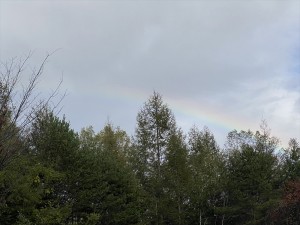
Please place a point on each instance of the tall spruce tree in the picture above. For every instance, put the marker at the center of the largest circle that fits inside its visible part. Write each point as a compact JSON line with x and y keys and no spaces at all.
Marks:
{"x":155,"y":125}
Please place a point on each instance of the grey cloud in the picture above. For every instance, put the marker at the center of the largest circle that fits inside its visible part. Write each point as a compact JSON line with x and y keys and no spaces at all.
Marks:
{"x":234,"y":54}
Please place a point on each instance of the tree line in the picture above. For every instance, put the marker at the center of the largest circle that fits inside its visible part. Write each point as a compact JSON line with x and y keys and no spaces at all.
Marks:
{"x":50,"y":174}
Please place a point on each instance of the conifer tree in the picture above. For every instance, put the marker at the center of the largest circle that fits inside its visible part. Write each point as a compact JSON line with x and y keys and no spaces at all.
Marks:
{"x":105,"y":186}
{"x":155,"y":125}
{"x":176,"y":174}
{"x":206,"y":169}
{"x":252,"y":176}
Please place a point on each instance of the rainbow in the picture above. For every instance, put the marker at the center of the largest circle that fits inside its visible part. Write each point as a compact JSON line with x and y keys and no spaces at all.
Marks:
{"x":187,"y":112}
{"x":203,"y":114}
{"x":207,"y":114}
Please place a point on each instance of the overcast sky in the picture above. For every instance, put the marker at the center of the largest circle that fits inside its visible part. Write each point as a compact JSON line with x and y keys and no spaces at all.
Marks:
{"x":223,"y":64}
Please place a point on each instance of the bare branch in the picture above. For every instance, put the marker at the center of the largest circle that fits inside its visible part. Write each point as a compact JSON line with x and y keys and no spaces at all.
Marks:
{"x":18,"y":109}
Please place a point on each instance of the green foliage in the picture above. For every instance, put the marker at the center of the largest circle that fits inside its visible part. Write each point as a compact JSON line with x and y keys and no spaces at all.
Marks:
{"x":155,"y":125}
{"x":251,"y":183}
{"x":59,"y":177}
{"x":10,"y":139}
{"x":52,"y":215}
{"x":287,"y":211}
{"x":92,"y":219}
{"x":292,"y":160}
{"x":53,"y":141}
{"x":206,"y":165}
{"x":176,"y":177}
{"x":27,"y":188}
{"x":252,"y":168}
{"x":104,"y":184}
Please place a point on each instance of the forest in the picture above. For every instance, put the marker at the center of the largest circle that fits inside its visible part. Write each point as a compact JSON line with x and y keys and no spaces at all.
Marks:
{"x":50,"y":174}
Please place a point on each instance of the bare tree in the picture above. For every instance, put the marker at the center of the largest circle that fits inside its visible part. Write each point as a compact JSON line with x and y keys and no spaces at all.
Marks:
{"x":19,"y":104}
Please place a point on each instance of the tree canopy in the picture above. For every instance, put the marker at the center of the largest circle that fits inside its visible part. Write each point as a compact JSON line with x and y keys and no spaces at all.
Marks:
{"x":51,"y":174}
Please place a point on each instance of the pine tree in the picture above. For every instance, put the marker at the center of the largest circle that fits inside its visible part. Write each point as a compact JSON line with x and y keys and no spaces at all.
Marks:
{"x":105,"y":187}
{"x":206,"y":167}
{"x":155,"y":125}
{"x":176,"y":175}
{"x":292,"y":160}
{"x":252,"y":169}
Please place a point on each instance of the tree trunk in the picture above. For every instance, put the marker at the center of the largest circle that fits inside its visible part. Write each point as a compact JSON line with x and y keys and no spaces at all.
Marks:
{"x":156,"y":212}
{"x":223,"y":218}
{"x":179,"y":211}
{"x":200,"y":217}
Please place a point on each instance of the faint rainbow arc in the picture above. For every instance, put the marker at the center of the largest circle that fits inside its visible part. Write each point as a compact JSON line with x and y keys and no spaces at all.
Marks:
{"x":196,"y":110}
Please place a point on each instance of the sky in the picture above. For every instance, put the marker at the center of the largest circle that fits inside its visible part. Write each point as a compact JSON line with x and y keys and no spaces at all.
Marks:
{"x":222,"y":64}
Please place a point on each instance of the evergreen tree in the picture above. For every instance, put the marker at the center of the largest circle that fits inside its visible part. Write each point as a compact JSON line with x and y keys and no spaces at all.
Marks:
{"x":206,"y":169}
{"x":292,"y":160}
{"x":56,"y":145}
{"x":155,"y":125}
{"x":288,"y":208}
{"x":252,"y":169}
{"x":53,"y":141}
{"x":176,"y":175}
{"x":29,"y":194}
{"x":105,"y":186}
